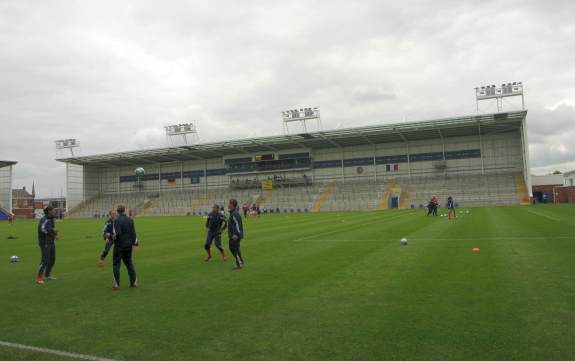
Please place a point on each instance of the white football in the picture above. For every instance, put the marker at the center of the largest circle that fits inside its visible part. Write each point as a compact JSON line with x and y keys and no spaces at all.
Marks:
{"x":404,"y":241}
{"x":14,"y":259}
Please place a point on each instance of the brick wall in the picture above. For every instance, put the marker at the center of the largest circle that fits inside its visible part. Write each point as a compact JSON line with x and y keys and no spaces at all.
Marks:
{"x":565,"y":194}
{"x":546,"y":189}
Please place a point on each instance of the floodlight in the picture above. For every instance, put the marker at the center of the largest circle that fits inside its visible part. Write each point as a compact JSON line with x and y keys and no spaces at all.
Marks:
{"x":181,"y":130}
{"x":301,"y":115}
{"x":498,"y":93}
{"x":70,"y":144}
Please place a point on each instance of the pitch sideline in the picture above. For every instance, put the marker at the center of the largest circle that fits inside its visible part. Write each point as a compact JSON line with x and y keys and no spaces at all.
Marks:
{"x":543,"y":215}
{"x":351,"y":224}
{"x":54,"y":352}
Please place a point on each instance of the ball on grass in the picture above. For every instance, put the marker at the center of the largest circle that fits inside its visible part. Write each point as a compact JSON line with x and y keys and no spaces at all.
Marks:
{"x":14,"y":259}
{"x":403,"y":241}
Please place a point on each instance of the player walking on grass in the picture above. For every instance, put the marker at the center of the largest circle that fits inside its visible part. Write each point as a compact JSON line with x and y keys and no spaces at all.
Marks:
{"x":235,"y":233}
{"x":125,"y":242}
{"x":109,"y":235}
{"x":451,"y":207}
{"x":47,"y":235}
{"x":215,"y":224}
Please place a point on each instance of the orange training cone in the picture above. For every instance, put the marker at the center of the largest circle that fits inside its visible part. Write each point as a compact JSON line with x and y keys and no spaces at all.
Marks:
{"x":475,"y":250}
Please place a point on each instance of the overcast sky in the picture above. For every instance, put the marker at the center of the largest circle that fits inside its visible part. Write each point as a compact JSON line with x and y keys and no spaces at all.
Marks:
{"x":113,"y":73}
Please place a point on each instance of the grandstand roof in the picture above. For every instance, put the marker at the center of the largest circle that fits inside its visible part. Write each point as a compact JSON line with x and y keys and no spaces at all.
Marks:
{"x":378,"y":134}
{"x":6,"y":163}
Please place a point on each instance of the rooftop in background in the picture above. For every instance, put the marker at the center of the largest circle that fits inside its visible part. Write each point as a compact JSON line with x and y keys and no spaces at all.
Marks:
{"x":21,"y":193}
{"x":378,"y":134}
{"x":547,"y":180}
{"x":6,"y":163}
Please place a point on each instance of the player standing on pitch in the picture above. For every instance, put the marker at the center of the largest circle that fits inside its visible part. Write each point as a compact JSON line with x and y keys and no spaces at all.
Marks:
{"x":215,"y":224}
{"x":125,"y":242}
{"x":109,"y":234}
{"x":47,"y":235}
{"x":451,"y":207}
{"x":235,"y":233}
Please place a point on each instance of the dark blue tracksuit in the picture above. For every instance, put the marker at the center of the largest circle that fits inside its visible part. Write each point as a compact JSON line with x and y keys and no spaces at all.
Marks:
{"x":215,"y":224}
{"x":46,"y":240}
{"x":236,"y":230}
{"x":109,"y":235}
{"x":451,"y":207}
{"x":125,"y":240}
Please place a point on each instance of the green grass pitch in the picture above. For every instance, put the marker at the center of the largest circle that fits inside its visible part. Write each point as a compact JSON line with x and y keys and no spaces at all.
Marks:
{"x":329,"y":286}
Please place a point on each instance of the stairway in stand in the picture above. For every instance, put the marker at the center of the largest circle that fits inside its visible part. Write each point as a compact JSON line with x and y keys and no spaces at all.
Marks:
{"x":324,"y":195}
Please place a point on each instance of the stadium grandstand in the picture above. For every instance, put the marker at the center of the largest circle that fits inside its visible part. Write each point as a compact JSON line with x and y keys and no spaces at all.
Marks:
{"x":5,"y":189}
{"x":480,"y":160}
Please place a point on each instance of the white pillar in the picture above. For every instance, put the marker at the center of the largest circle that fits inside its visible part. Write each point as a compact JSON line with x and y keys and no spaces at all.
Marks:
{"x":182,"y":175}
{"x":374,"y":163}
{"x":342,"y":167}
{"x":159,"y":178}
{"x":526,"y":163}
{"x":481,"y":149}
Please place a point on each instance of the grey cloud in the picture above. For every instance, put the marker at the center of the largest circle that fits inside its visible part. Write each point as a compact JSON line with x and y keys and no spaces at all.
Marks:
{"x":551,"y":134}
{"x":373,"y":95}
{"x":545,"y":123}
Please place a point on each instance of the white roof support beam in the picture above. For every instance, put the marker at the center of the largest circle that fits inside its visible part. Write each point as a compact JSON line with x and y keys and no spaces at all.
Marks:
{"x":239,"y":149}
{"x":297,"y":142}
{"x":407,"y":149}
{"x":364,"y":137}
{"x":266,"y":146}
{"x":330,"y":141}
{"x":442,"y":141}
{"x":481,"y":147}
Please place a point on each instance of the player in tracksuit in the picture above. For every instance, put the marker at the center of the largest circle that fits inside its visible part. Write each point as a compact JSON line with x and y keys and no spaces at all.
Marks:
{"x":235,"y":232}
{"x":451,"y":207}
{"x":126,"y":241}
{"x":109,"y":234}
{"x":432,"y":206}
{"x":47,"y":235}
{"x":215,"y":224}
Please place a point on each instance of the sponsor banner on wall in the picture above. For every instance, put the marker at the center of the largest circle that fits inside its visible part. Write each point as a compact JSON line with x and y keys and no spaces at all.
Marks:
{"x":267,"y":185}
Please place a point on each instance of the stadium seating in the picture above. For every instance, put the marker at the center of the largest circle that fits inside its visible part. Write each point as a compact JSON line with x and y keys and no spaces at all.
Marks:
{"x":100,"y":205}
{"x":411,"y":192}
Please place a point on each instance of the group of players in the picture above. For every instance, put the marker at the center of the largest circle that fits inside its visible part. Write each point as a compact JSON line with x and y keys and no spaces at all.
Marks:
{"x":119,"y":232}
{"x":434,"y":204}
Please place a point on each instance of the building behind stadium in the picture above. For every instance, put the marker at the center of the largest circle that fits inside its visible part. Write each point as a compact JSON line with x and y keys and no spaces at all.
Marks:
{"x":554,"y":188}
